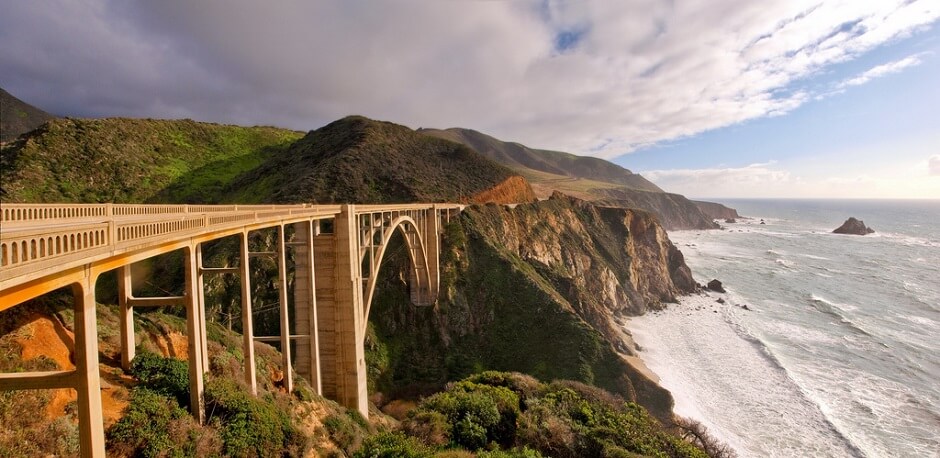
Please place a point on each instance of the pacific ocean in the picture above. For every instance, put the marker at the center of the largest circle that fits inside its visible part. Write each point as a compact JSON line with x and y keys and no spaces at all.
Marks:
{"x":836,"y":352}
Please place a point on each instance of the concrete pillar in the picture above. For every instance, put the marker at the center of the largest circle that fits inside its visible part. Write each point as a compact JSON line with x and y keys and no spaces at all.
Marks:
{"x":285,"y":318}
{"x":88,"y":385}
{"x":305,"y":304}
{"x":324,"y":247}
{"x":432,"y":249}
{"x":125,"y":292}
{"x":248,"y":331}
{"x":350,"y":363}
{"x":201,"y":308}
{"x":195,"y":329}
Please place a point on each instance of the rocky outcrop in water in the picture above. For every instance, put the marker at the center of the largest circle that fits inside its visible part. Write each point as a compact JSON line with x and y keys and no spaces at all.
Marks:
{"x":853,"y":226}
{"x":716,"y":286}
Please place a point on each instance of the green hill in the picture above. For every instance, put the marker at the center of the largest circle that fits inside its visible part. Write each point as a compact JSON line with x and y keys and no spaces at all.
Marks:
{"x":18,"y":117}
{"x":522,"y":159}
{"x":134,"y":160}
{"x":588,"y":178}
{"x":356,"y":159}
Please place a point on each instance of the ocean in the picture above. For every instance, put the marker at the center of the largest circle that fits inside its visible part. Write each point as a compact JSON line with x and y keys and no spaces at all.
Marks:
{"x":838,"y":351}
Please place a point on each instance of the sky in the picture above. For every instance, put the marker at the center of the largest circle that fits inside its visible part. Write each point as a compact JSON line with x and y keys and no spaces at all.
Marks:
{"x":709,"y":98}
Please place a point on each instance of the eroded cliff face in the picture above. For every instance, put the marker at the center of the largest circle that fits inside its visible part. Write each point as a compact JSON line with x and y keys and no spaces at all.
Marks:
{"x":674,"y":211}
{"x":538,"y":288}
{"x":604,"y":261}
{"x":715,"y":210}
{"x":512,"y":190}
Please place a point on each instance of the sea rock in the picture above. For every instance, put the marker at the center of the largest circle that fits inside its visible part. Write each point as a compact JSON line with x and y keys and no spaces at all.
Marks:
{"x":720,"y":301}
{"x":854,"y":227}
{"x":730,"y":220}
{"x":715,"y":285}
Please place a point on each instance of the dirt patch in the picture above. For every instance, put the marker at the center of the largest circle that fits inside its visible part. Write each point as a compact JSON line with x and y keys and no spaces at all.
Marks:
{"x":45,"y":336}
{"x":172,"y":344}
{"x":399,"y":408}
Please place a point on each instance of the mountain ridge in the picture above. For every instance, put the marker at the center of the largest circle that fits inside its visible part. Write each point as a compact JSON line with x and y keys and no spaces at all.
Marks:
{"x":18,"y":117}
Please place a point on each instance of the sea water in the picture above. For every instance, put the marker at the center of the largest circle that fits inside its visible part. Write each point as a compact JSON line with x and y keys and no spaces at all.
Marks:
{"x":838,"y":351}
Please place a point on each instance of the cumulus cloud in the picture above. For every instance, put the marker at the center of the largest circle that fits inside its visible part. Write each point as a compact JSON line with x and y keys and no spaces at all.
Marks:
{"x":933,"y":165}
{"x":594,"y":77}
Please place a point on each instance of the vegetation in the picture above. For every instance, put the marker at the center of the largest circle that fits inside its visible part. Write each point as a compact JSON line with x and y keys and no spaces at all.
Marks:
{"x":498,"y":311}
{"x":356,"y":159}
{"x":133,"y":160}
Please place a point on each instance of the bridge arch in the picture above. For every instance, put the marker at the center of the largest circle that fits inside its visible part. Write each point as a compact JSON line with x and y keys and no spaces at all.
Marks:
{"x":372,"y":257}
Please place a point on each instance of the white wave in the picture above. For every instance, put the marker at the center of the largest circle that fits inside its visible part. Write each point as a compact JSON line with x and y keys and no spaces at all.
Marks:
{"x":733,"y":385}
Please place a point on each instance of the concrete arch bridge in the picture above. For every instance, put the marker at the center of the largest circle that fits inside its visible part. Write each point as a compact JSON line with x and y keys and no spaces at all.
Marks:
{"x":337,"y":251}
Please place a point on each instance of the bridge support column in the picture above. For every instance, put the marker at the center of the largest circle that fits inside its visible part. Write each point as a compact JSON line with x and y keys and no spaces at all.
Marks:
{"x":285,"y":317}
{"x":432,"y":249}
{"x":195,"y":330}
{"x":248,"y":330}
{"x":125,"y":292}
{"x":305,"y":304}
{"x":88,"y":385}
{"x":349,"y":362}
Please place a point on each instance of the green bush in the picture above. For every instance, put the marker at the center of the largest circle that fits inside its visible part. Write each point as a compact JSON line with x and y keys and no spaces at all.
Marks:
{"x":154,"y":425}
{"x":345,"y":431}
{"x":248,"y":425}
{"x":393,"y":445}
{"x":167,"y":376}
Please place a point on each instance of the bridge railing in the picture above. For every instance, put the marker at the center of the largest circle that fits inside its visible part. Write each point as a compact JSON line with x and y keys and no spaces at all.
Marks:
{"x":34,"y":238}
{"x":24,"y":213}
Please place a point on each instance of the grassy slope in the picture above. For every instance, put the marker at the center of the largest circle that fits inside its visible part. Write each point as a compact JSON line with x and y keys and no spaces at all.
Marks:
{"x":134,"y":160}
{"x":553,"y":163}
{"x":356,"y":159}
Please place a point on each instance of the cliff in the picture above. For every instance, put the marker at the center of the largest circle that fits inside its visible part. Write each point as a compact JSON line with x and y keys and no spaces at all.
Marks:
{"x":542,"y":289}
{"x":674,"y":211}
{"x":588,"y":178}
{"x":714,"y":210}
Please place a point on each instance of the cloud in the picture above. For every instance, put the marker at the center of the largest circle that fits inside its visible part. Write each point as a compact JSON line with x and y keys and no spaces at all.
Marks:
{"x":753,"y":173}
{"x":594,"y":77}
{"x":881,"y":70}
{"x":933,"y":165}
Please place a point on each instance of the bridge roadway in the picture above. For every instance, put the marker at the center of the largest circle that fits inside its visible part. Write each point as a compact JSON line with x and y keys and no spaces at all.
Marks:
{"x":337,"y":249}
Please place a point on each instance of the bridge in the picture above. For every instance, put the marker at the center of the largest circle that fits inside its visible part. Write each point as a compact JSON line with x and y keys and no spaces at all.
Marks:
{"x":337,"y":251}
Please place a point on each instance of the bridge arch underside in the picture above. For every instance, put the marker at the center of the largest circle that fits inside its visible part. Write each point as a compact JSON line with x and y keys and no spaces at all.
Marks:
{"x":372,"y":257}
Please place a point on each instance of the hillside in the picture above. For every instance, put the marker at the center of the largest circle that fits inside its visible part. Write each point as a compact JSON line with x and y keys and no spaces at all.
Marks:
{"x":141,"y":160}
{"x":18,"y":117}
{"x":540,"y":288}
{"x":357,"y":159}
{"x":133,"y":160}
{"x":584,"y":177}
{"x":522,"y":158}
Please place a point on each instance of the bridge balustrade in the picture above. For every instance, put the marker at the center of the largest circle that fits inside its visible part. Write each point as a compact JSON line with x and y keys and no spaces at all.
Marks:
{"x":44,"y":247}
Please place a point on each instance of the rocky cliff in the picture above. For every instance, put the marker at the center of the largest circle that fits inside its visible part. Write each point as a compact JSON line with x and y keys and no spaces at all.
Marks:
{"x":540,"y":288}
{"x":715,"y":210}
{"x":674,"y":211}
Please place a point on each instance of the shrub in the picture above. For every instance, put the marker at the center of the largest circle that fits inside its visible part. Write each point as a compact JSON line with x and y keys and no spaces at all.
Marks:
{"x":155,"y":425}
{"x":345,"y":431}
{"x":167,"y":376}
{"x":248,"y":425}
{"x":393,"y":445}
{"x":430,"y":427}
